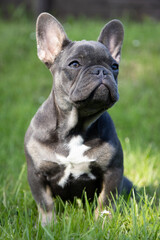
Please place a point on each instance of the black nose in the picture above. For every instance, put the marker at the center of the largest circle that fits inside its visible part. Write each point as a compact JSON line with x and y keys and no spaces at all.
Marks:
{"x":99,"y":71}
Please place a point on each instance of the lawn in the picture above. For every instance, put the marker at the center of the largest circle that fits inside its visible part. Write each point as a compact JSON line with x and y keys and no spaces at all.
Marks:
{"x":24,"y":84}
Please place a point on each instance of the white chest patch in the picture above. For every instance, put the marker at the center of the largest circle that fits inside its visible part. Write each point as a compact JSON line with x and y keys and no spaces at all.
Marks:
{"x":76,"y":163}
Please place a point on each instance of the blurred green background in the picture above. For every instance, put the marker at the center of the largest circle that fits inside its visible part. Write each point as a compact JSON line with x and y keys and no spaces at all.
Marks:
{"x":25,"y":83}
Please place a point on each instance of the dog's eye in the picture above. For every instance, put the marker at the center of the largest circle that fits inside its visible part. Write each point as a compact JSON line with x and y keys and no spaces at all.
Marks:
{"x":115,"y":66}
{"x":74,"y":64}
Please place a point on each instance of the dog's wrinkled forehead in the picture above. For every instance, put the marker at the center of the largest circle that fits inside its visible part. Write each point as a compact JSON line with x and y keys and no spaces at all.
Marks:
{"x":87,"y":50}
{"x":89,"y":47}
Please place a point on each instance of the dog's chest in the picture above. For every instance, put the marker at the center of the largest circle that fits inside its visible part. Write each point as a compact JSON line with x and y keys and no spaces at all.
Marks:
{"x":77,"y":162}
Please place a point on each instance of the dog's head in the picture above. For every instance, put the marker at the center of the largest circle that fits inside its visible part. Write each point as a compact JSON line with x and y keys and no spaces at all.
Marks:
{"x":85,"y":72}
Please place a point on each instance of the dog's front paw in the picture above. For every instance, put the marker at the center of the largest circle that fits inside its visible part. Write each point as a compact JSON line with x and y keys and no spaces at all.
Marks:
{"x":46,"y":217}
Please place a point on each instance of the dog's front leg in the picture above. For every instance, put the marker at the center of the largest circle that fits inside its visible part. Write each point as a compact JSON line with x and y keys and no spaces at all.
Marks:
{"x":42,"y":195}
{"x":112,"y":182}
{"x":45,"y":208}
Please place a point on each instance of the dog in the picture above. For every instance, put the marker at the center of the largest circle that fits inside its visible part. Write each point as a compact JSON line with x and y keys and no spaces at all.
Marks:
{"x":71,"y":144}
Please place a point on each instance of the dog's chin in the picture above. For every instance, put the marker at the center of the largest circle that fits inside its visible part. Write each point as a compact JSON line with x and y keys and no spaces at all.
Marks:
{"x":98,"y":101}
{"x":101,"y":95}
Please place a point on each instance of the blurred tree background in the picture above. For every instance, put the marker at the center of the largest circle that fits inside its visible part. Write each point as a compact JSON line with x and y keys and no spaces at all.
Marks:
{"x":136,"y":9}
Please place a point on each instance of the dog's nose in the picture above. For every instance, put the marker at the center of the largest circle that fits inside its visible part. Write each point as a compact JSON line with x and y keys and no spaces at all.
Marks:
{"x":99,"y":71}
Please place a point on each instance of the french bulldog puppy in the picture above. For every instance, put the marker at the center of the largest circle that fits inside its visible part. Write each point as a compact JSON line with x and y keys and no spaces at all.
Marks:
{"x":71,"y":144}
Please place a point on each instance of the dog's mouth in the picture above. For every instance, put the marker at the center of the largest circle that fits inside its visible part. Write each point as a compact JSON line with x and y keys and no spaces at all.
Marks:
{"x":112,"y":91}
{"x":101,"y":93}
{"x":99,"y":100}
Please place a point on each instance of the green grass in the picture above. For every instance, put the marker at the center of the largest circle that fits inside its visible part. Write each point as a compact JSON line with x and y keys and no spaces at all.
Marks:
{"x":25,"y":82}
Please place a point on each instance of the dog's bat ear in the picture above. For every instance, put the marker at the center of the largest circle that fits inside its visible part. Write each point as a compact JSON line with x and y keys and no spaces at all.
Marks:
{"x":112,"y":37}
{"x":51,"y":38}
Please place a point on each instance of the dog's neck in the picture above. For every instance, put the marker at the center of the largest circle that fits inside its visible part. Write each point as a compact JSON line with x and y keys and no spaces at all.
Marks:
{"x":70,"y":122}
